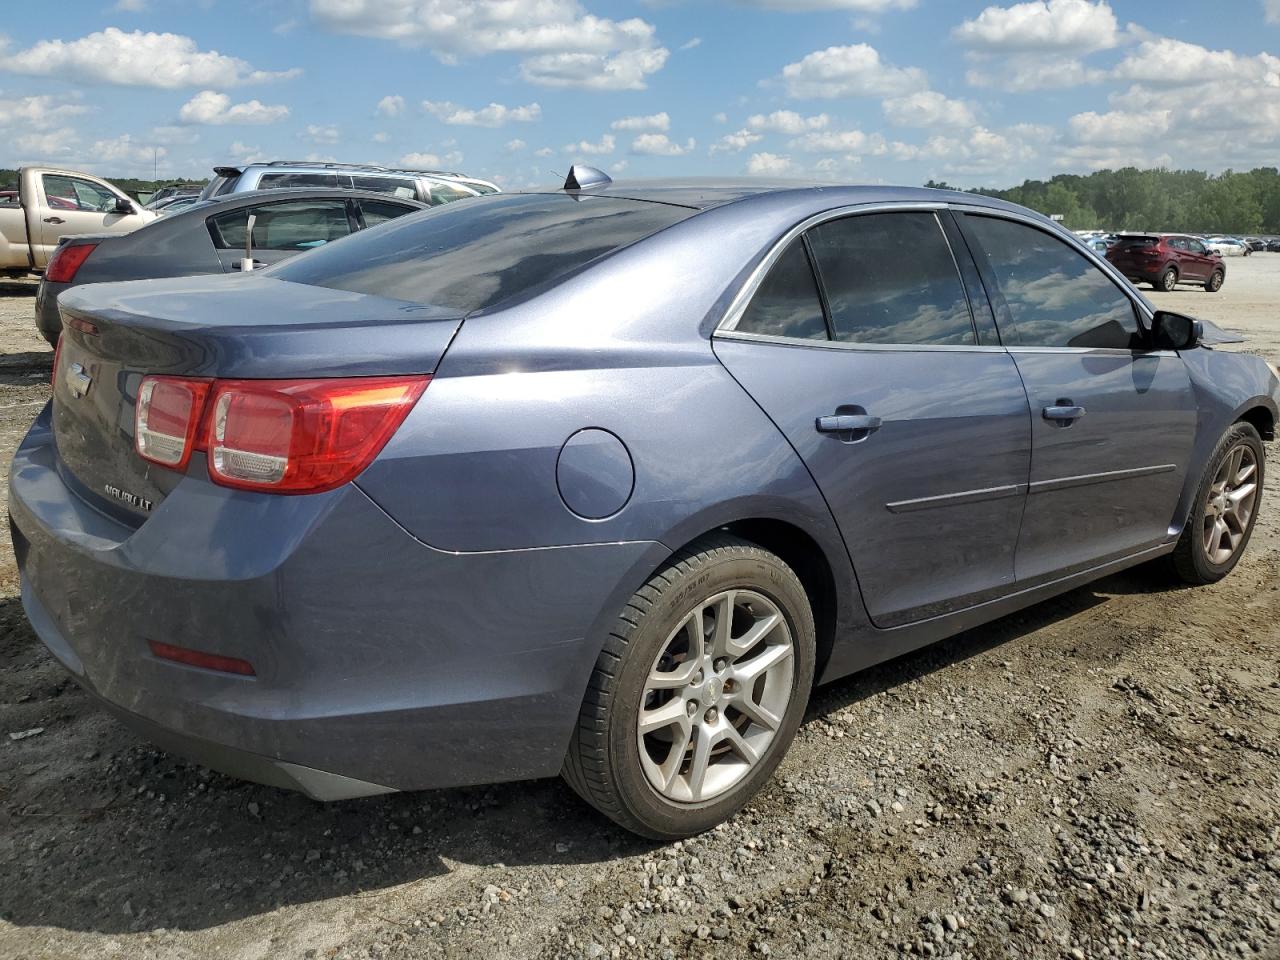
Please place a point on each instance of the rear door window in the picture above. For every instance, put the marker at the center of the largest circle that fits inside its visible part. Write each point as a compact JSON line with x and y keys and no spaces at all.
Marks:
{"x":787,"y":303}
{"x":469,"y":256}
{"x":276,"y":181}
{"x":1056,"y":297}
{"x":890,"y":278}
{"x":380,"y":211}
{"x":396,"y":186}
{"x":292,"y":225}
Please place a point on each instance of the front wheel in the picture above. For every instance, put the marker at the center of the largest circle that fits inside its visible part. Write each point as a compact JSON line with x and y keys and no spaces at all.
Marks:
{"x":697,"y":693}
{"x":1225,"y":509}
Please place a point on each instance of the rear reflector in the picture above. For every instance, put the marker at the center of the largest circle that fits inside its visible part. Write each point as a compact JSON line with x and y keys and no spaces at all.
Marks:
{"x":288,"y":436}
{"x":197,"y":658}
{"x":67,"y":260}
{"x":166,"y":418}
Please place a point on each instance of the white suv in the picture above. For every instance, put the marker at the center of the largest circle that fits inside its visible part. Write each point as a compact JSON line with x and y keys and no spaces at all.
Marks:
{"x":427,"y":186}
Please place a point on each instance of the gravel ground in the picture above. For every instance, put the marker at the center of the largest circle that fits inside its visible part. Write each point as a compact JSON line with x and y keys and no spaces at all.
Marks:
{"x":1095,"y":777}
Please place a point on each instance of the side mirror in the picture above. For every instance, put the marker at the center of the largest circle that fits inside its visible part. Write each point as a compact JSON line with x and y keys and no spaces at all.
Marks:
{"x":1173,"y":331}
{"x":123,"y":206}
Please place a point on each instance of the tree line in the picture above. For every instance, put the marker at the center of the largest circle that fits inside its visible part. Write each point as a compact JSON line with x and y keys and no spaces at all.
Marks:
{"x":1184,"y":201}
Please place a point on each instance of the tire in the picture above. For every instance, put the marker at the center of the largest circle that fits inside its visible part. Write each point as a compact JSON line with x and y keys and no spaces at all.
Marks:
{"x":1215,"y":281}
{"x":639,"y":780}
{"x":1168,"y":280}
{"x":1191,"y":559}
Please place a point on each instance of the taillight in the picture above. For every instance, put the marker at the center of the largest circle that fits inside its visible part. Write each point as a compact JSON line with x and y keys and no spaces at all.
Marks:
{"x":67,"y":260}
{"x":288,"y":436}
{"x":166,"y":418}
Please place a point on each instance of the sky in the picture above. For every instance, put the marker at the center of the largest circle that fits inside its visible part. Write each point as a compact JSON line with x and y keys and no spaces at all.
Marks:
{"x":897,"y":91}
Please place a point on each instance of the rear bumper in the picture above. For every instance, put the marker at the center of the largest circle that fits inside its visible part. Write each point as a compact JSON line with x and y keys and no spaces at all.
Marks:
{"x":48,"y":320}
{"x":381,"y":663}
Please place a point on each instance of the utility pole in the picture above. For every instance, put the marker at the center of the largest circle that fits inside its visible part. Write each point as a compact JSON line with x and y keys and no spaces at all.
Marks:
{"x":155,"y":163}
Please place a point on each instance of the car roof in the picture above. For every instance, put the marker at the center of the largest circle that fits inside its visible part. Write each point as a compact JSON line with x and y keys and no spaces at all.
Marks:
{"x":311,"y":166}
{"x":304,"y":193}
{"x":704,"y":193}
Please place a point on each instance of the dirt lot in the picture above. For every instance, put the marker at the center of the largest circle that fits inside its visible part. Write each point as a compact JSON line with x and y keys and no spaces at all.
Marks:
{"x":1098,"y":776}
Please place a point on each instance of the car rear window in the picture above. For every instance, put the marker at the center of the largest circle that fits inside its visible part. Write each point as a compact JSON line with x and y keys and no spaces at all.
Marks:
{"x":470,"y":256}
{"x":1131,"y":242}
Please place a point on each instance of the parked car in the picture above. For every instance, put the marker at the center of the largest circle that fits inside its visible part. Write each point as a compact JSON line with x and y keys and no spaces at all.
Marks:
{"x":210,"y":238}
{"x":432,"y":187}
{"x":173,"y":190}
{"x":1227,"y":246}
{"x":1273,"y":246}
{"x":177,"y":204}
{"x":1166,"y":260}
{"x":53,"y":204}
{"x":442,"y":504}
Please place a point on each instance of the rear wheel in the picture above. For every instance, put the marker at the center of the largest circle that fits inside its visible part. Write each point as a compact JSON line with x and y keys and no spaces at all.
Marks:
{"x":1214,"y":283}
{"x":1168,"y":280}
{"x":697,"y":693}
{"x":1225,"y":510}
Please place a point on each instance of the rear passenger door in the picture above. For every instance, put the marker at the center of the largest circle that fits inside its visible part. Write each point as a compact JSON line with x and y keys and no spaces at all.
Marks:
{"x":281,"y":229}
{"x":861,"y":345}
{"x":1113,"y":420}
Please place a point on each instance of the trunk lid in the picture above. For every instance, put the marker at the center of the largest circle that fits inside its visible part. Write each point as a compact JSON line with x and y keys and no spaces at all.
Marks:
{"x":250,"y":327}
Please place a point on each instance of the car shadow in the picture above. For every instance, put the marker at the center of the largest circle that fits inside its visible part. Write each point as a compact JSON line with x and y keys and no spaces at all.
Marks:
{"x":18,"y":288}
{"x":99,"y":832}
{"x":24,"y":369}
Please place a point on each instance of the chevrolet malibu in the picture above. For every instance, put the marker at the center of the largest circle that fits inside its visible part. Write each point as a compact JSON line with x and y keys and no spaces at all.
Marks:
{"x":601,"y":481}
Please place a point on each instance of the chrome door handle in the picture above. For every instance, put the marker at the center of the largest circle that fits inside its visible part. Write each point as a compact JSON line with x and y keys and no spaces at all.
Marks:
{"x":1065,"y":412}
{"x":54,"y":220}
{"x":847,"y":423}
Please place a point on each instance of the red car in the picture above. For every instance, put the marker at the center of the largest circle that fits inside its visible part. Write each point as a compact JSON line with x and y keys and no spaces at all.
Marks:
{"x":1166,"y":260}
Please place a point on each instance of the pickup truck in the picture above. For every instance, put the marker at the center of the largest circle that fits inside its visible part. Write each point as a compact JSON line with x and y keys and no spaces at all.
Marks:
{"x":50,"y":204}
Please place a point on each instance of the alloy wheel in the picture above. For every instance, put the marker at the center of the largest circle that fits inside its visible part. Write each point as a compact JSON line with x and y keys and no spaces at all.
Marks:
{"x":716,"y":696}
{"x":1230,"y":504}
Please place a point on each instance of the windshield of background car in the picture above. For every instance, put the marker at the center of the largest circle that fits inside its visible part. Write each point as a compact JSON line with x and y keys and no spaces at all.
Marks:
{"x":470,"y":256}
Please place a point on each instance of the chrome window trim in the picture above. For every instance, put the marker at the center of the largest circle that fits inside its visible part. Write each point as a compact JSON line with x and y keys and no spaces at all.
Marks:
{"x":748,"y":337}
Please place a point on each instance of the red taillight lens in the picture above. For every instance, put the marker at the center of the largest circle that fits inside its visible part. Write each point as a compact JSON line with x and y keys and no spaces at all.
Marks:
{"x":166,"y":417}
{"x":303,"y":436}
{"x":198,"y":658}
{"x":290,"y":436}
{"x":66,"y":261}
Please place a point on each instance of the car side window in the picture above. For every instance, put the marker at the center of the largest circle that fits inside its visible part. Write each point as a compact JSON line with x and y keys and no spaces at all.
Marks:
{"x":284,"y":225}
{"x":1178,"y":243}
{"x":396,"y":186}
{"x":787,"y":303}
{"x":275,"y":181}
{"x":890,"y":278}
{"x":380,"y":211}
{"x":1195,"y":246}
{"x":440,"y":192}
{"x":71,"y":193}
{"x":1056,"y":297}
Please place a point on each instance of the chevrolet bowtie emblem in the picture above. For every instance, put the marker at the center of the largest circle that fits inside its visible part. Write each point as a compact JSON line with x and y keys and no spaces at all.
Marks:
{"x":77,"y":380}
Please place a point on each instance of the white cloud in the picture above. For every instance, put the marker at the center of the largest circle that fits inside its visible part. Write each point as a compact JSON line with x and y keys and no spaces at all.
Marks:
{"x":768,"y":164}
{"x":544,"y":152}
{"x":39,"y":112}
{"x":565,"y":45}
{"x":174,"y":135}
{"x":833,"y":141}
{"x":494,"y":115}
{"x":607,"y":144}
{"x":382,"y":137}
{"x":1025,"y":72}
{"x":130,"y":6}
{"x":618,"y":167}
{"x":721,"y":118}
{"x":244,"y":153}
{"x":1271,"y":10}
{"x":1119,"y":127}
{"x":659,"y":145}
{"x":392,"y":105}
{"x":515,"y":146}
{"x":420,"y":161}
{"x":655,"y":121}
{"x":1164,"y":61}
{"x":211,"y":107}
{"x":322,"y":133}
{"x":693,"y":42}
{"x":928,"y":108}
{"x":125,"y":151}
{"x":165,"y":60}
{"x":787,"y":121}
{"x":54,"y":144}
{"x":736,"y":142}
{"x":1079,"y":26}
{"x":855,"y":6}
{"x":853,"y":71}
{"x":590,"y":71}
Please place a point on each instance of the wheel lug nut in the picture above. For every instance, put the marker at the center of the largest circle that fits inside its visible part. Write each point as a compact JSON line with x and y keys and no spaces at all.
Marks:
{"x":721,"y":664}
{"x":693,"y":707}
{"x":711,"y":715}
{"x":697,"y":678}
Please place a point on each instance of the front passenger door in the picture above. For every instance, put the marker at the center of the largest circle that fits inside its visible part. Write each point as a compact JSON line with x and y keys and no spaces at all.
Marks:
{"x":1112,"y":420}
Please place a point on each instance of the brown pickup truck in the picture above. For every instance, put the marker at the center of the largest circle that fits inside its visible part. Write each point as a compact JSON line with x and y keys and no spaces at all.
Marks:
{"x":50,"y":204}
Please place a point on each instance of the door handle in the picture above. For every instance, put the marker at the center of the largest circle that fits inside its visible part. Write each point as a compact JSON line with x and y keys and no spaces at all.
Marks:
{"x":847,"y":423}
{"x":54,"y":220}
{"x":1064,"y":411}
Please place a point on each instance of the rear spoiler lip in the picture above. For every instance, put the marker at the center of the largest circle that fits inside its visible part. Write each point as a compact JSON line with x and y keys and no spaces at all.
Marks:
{"x":228,"y":171}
